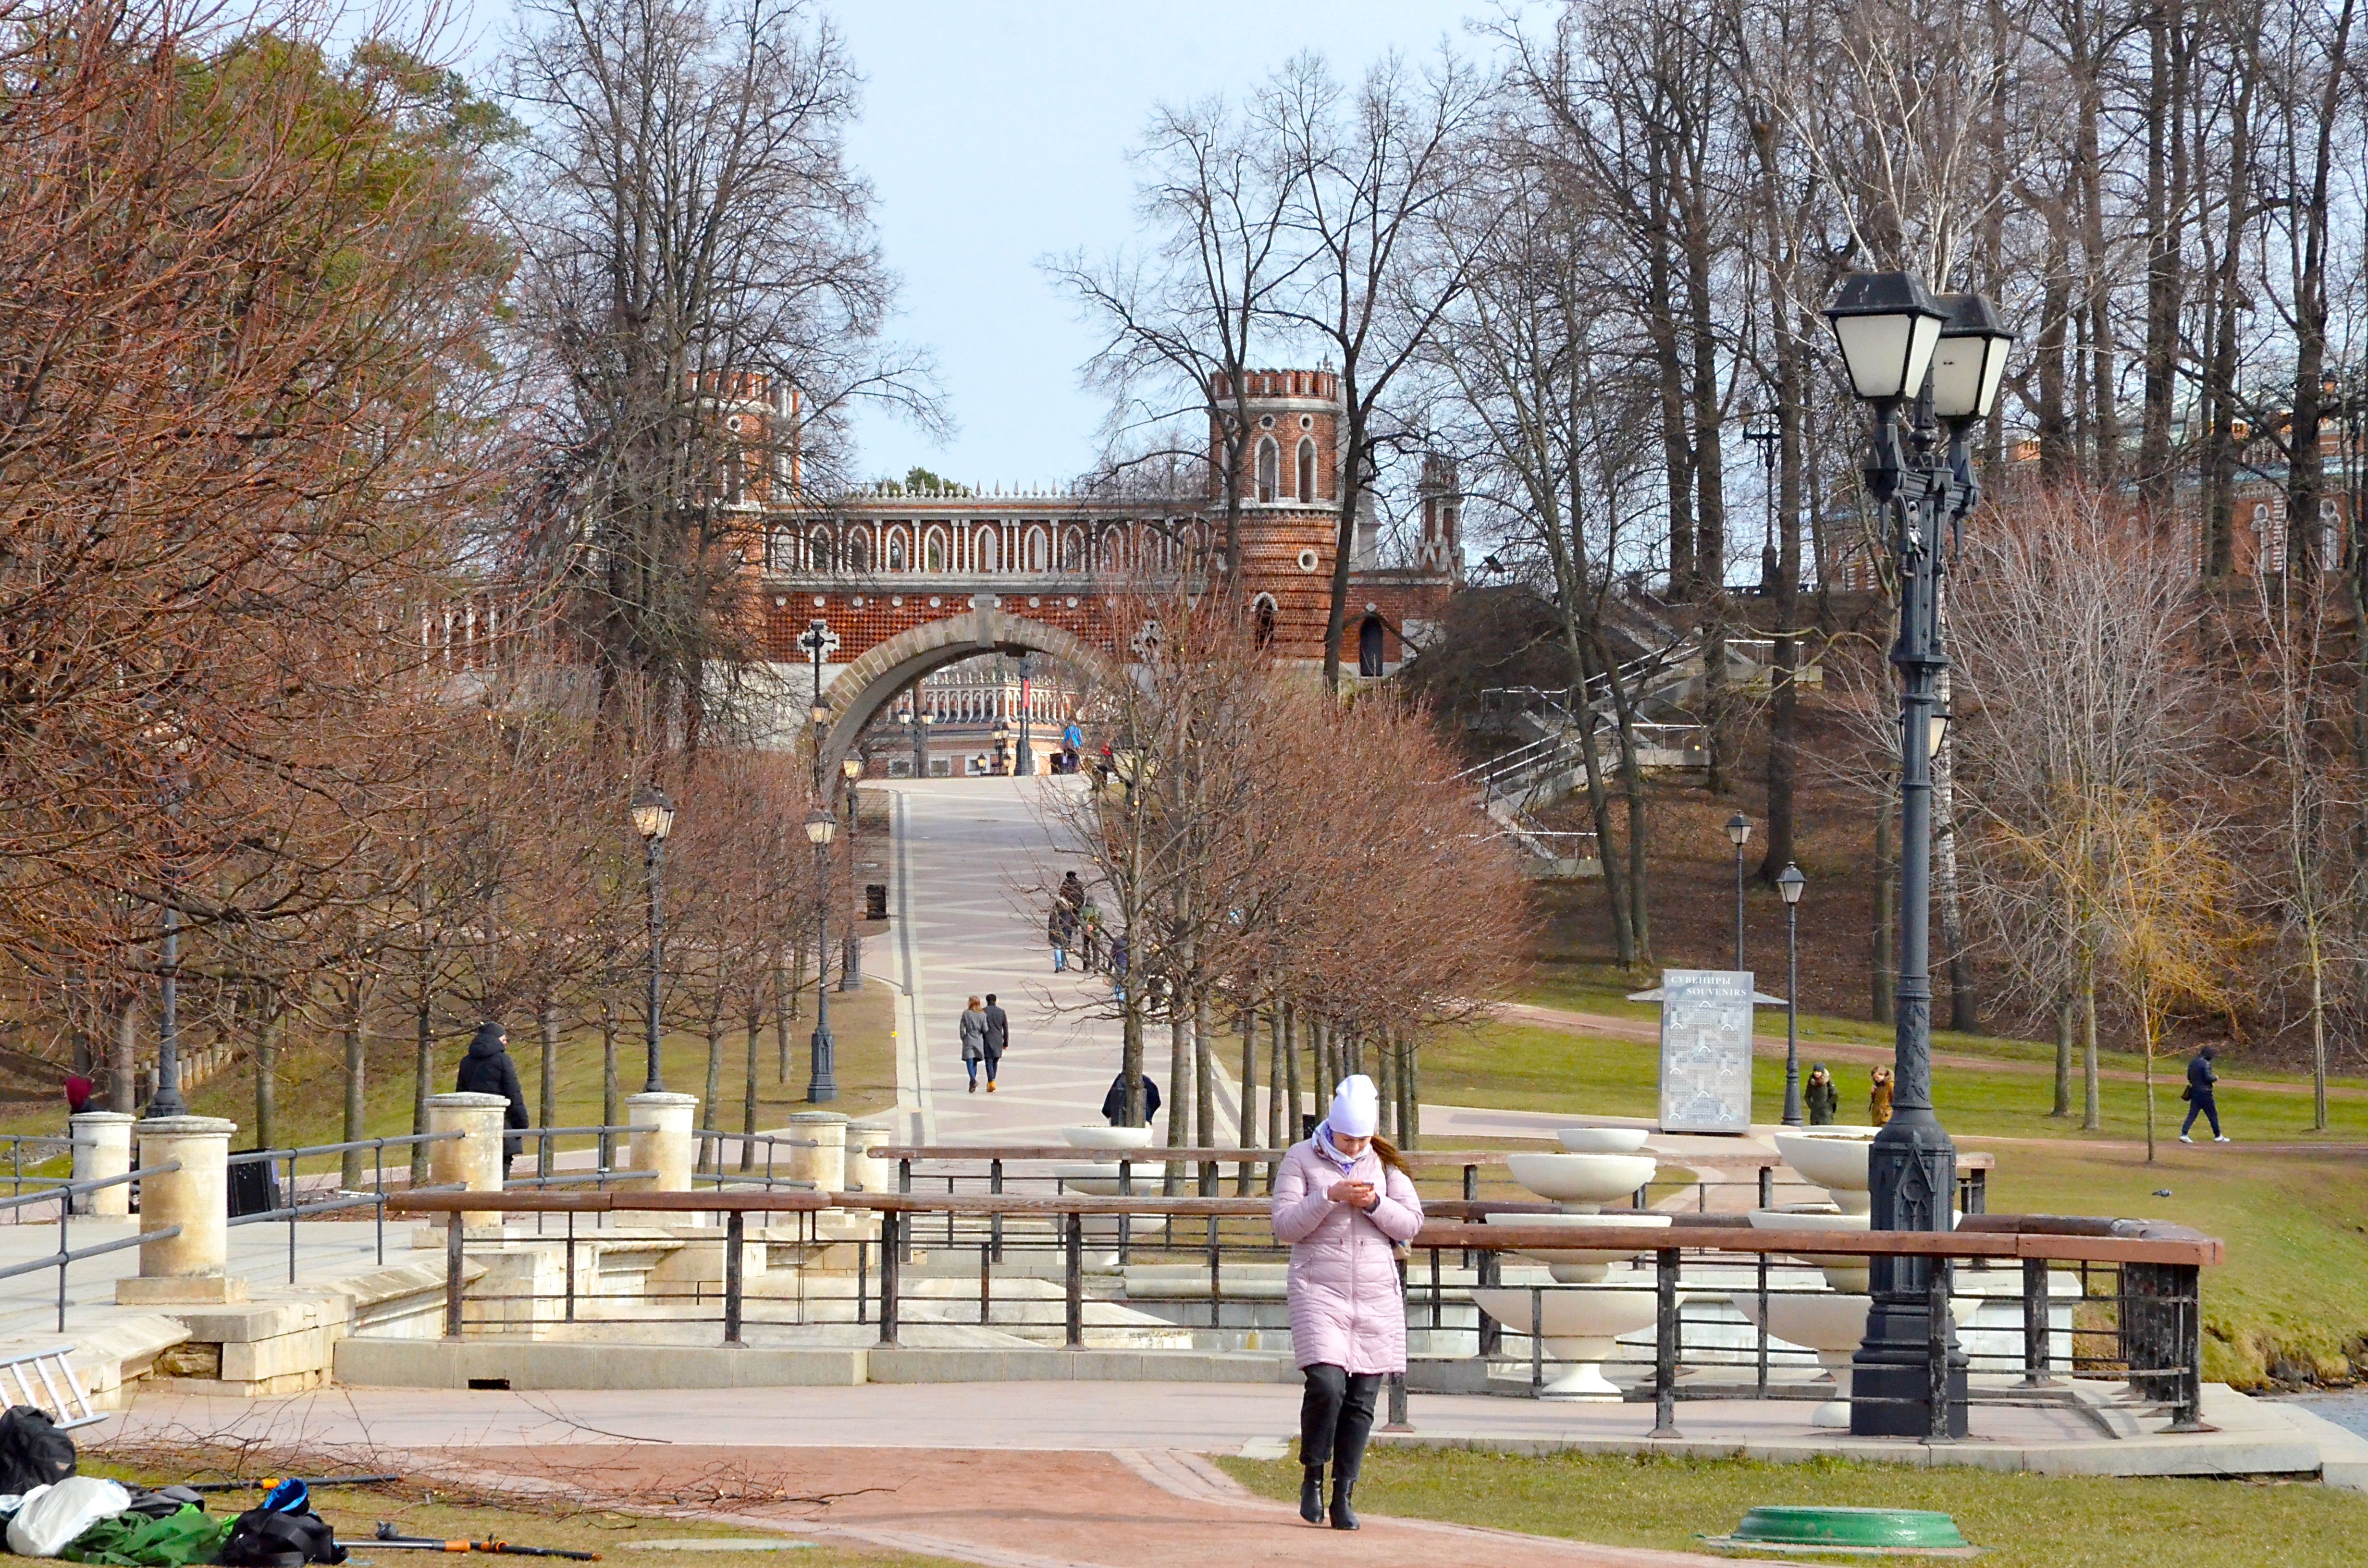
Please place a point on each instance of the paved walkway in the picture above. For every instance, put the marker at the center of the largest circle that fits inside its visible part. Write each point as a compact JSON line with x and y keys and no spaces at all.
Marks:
{"x":975,"y":863}
{"x":1046,"y":1475}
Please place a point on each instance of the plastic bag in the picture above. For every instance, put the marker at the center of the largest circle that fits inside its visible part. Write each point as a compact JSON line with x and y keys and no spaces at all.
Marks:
{"x":53,"y":1516}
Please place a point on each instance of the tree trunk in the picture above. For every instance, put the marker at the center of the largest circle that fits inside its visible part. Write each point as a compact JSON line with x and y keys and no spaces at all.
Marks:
{"x":1784,"y":704}
{"x":2067,"y":1009}
{"x":2092,"y":1110}
{"x":612,"y":1108}
{"x":422,"y":1072}
{"x":710,"y":1151}
{"x":1293,"y":1093}
{"x":784,"y":1006}
{"x":269,"y":1016}
{"x":357,"y":1042}
{"x":123,"y":1061}
{"x":1249,"y":1121}
{"x":2166,"y":212}
{"x":755,"y":1022}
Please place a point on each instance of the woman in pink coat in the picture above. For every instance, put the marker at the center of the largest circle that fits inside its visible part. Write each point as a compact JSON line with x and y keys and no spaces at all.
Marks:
{"x":1344,"y":1203}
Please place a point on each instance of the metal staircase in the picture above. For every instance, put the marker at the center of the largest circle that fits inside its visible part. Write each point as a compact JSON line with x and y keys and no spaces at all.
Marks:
{"x":1552,"y":764}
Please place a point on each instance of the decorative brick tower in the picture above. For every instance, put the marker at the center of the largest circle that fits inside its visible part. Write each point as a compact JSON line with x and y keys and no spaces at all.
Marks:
{"x":1441,"y":550}
{"x":1289,"y":482}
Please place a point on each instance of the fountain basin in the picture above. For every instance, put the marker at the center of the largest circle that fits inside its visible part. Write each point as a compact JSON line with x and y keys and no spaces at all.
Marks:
{"x":1091,"y":1136}
{"x":1603,"y":1140}
{"x":1583,"y":1181}
{"x":1834,"y":1158}
{"x":1583,"y":1266}
{"x":1832,"y":1325}
{"x":1844,"y":1271}
{"x":1579,"y":1328}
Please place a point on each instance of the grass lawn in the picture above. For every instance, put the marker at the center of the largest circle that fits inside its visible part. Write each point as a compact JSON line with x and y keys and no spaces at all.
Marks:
{"x":2295,"y":1289}
{"x":1599,"y":989}
{"x":2022,"y":1521}
{"x":1527,"y":1067}
{"x":354,"y":1513}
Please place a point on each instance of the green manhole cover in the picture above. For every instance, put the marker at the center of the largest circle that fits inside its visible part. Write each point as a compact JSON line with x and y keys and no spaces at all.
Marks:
{"x":1848,"y":1531}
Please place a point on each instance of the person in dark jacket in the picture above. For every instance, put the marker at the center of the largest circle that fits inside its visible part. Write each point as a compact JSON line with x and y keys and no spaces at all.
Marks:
{"x":998,"y":1037}
{"x":1114,"y":1103}
{"x":488,"y":1069}
{"x":2200,"y":1100}
{"x":1822,"y":1097}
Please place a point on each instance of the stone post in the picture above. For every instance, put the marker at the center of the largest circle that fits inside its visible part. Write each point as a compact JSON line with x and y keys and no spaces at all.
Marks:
{"x":862,"y":1171}
{"x":186,"y":1269}
{"x":473,"y":1160}
{"x":661,"y":1141}
{"x":825,"y":1164}
{"x":102,"y":1148}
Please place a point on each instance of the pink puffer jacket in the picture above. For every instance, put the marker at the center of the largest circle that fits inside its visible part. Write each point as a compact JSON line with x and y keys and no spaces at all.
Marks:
{"x":1348,"y":1307}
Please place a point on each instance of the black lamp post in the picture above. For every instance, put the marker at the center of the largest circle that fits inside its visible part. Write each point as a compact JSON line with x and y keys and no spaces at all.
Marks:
{"x":821,"y":1077}
{"x":166,"y":1100}
{"x":653,"y":815}
{"x":1943,"y":358}
{"x":1739,"y":833}
{"x":1763,"y":432}
{"x":922,"y":719}
{"x":1788,"y":884}
{"x":1026,"y":760}
{"x":850,"y":962}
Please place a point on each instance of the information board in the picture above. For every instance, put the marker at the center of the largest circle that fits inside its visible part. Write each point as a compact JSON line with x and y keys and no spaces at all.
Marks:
{"x":1706,"y":1049}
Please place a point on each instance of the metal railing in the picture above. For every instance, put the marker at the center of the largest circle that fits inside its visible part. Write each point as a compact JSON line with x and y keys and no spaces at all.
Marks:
{"x":294,"y":1207}
{"x":44,"y":1146}
{"x":2131,"y":1309}
{"x":63,"y":1195}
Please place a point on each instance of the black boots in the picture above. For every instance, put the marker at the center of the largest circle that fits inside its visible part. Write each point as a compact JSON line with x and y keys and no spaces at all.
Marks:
{"x":1311,"y":1493}
{"x":1343,"y":1516}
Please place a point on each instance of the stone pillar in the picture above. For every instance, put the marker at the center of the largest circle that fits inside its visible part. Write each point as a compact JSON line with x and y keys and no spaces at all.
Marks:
{"x":188,"y":1268}
{"x":475,"y":1160}
{"x":825,"y":1164}
{"x":863,"y":1171}
{"x":662,"y":1141}
{"x":102,"y":1148}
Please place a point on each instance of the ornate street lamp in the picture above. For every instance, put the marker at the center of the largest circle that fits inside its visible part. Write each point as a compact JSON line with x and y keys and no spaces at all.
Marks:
{"x":1026,"y":761}
{"x":653,"y":815}
{"x":1948,"y":355}
{"x":821,"y":1078}
{"x":1739,"y":833}
{"x":1789,"y":885}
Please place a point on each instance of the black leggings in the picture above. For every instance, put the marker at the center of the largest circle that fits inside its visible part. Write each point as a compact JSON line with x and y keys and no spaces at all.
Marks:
{"x":1336,"y":1416}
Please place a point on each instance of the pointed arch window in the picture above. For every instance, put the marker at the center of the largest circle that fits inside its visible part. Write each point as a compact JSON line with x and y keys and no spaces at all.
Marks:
{"x":1270,"y":462}
{"x":1306,"y":469}
{"x":1262,"y":610}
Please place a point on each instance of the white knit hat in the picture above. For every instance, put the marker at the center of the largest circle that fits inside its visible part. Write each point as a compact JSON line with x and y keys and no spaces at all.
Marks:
{"x":1356,"y":1107}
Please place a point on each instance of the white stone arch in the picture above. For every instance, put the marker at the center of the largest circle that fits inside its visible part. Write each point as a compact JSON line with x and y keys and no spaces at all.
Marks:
{"x":1039,"y":556}
{"x":933,"y":551}
{"x":986,"y":549}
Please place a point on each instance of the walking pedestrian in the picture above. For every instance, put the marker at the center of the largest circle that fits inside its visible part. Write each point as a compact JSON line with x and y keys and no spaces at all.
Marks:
{"x":1878,"y":1099}
{"x":1114,"y":1103}
{"x":488,"y":1069}
{"x":1089,"y":929}
{"x":1345,"y":1202}
{"x":1821,"y":1096}
{"x":1060,"y":929}
{"x":972,"y":1030}
{"x":2200,"y":1097}
{"x":1072,"y":892}
{"x":998,"y":1037}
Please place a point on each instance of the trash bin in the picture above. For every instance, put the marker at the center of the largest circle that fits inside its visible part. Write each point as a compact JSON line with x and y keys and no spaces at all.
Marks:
{"x":253,"y":1188}
{"x":875,"y":901}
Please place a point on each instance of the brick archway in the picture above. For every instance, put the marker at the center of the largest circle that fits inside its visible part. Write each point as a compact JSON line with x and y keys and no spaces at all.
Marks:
{"x":874,"y":680}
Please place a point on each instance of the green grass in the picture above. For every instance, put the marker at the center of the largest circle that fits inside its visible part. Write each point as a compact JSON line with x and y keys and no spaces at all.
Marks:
{"x":2022,"y":1521}
{"x":2290,"y":1300}
{"x":1528,"y":1067}
{"x":1600,"y":988}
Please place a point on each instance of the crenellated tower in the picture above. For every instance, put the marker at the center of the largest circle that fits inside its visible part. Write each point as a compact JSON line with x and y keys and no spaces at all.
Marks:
{"x":1290,"y":480}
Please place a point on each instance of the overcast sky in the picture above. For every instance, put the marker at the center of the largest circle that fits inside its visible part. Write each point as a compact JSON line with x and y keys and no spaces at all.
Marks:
{"x":996,"y":131}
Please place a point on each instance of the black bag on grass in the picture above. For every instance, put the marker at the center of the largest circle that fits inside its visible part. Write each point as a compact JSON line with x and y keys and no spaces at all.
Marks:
{"x":33,"y":1452}
{"x":265,"y":1537}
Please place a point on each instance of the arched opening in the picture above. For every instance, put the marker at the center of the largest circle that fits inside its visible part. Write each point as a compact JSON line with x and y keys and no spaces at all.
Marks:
{"x":818,"y":552}
{"x":1035,"y":550}
{"x":859,"y":552}
{"x":933,"y":553}
{"x":897,"y":552}
{"x":983,"y":551}
{"x":1262,"y":619}
{"x":1270,"y":462}
{"x":1307,"y":470}
{"x":1370,"y":646}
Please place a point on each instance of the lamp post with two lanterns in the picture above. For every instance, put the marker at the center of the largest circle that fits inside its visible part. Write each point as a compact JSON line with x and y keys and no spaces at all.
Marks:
{"x":850,"y":963}
{"x":1934,"y":364}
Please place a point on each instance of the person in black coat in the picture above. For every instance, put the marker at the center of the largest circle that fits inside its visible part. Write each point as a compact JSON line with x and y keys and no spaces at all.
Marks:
{"x":488,"y":1069}
{"x":998,"y":1037}
{"x":2200,"y":1098}
{"x":1114,"y":1103}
